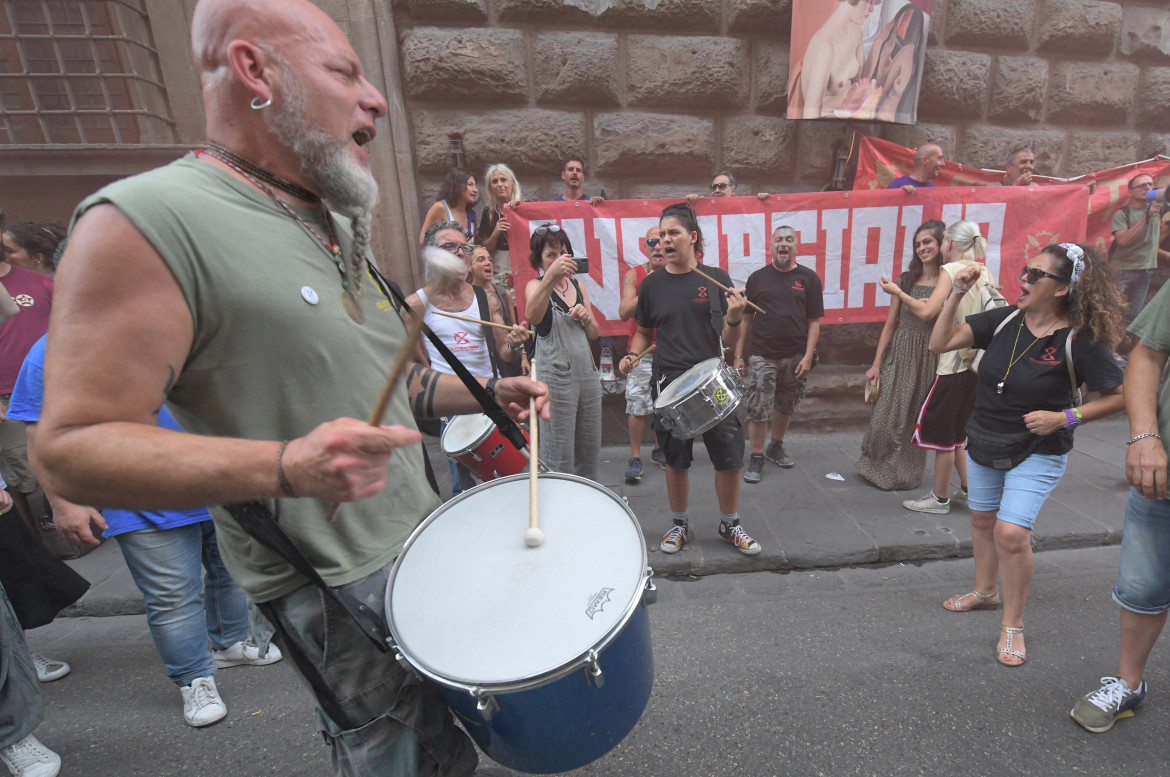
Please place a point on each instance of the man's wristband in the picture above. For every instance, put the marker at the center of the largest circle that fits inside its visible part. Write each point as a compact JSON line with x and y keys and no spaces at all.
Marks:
{"x":737,"y":323}
{"x":285,"y":486}
{"x":1155,"y":435}
{"x":490,"y":387}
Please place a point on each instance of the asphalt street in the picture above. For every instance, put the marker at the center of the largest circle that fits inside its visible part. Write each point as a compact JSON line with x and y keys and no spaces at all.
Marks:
{"x":857,"y":671}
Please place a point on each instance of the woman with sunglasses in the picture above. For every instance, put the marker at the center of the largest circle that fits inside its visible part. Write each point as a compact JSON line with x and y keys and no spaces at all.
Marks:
{"x":1026,"y":409}
{"x":904,"y":368}
{"x":571,"y":440}
{"x":456,"y":203}
{"x":503,"y":192}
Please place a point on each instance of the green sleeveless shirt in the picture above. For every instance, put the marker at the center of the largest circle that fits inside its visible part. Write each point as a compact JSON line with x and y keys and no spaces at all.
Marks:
{"x":275,"y":355}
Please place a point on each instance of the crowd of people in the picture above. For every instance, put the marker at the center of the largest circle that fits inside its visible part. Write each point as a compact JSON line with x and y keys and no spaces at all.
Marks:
{"x":216,"y":404}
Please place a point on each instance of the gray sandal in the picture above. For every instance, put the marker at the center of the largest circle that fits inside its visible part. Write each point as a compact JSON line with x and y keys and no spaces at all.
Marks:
{"x":1009,"y":648}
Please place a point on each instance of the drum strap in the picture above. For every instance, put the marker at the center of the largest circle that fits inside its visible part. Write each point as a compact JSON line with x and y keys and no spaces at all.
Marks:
{"x":509,"y":428}
{"x":489,"y":339}
{"x":716,"y":312}
{"x":256,"y":519}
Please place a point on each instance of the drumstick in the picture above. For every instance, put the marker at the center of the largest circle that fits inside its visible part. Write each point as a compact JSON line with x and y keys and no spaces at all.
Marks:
{"x":638,"y":356}
{"x":413,"y":329}
{"x":473,"y":320}
{"x":533,"y":536}
{"x":720,"y":285}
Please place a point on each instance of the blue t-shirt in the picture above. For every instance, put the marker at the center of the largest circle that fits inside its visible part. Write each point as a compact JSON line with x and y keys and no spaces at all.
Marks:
{"x":898,"y":183}
{"x":27,"y":399}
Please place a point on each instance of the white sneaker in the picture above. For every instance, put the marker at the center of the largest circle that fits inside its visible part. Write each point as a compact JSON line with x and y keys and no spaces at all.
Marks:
{"x":29,"y":758}
{"x":928,"y":504}
{"x":201,"y":703}
{"x":49,"y":670}
{"x":245,"y":652}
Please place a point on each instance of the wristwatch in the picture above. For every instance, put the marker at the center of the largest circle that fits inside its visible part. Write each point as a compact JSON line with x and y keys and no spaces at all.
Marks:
{"x":490,"y":387}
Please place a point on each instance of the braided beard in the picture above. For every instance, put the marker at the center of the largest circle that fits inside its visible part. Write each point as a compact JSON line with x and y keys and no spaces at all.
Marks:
{"x":349,"y":188}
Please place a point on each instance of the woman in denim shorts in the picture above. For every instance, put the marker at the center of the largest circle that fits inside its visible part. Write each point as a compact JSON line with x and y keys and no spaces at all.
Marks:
{"x":1024,"y":401}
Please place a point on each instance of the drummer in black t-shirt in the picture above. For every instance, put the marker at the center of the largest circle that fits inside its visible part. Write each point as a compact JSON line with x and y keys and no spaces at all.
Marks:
{"x":676,"y":304}
{"x":780,"y":346}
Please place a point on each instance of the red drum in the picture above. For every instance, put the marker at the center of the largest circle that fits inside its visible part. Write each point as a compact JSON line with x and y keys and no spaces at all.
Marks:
{"x":475,"y":442}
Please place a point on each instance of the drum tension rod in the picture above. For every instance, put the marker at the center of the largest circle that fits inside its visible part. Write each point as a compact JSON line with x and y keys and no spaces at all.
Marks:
{"x":593,"y":672}
{"x":485,"y":704}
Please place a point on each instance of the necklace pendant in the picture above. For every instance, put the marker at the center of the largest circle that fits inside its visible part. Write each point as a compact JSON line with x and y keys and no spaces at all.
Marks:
{"x":353,"y":306}
{"x":999,"y":387}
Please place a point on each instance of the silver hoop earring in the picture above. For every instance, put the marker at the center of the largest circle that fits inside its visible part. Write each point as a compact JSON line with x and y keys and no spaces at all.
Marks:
{"x":257,"y":105}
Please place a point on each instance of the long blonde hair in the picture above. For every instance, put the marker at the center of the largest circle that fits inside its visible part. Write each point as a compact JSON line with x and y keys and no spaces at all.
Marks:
{"x":500,"y":167}
{"x":969,"y":242}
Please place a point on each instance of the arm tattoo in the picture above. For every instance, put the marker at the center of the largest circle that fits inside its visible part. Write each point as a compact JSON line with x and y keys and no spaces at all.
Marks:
{"x":421,"y":384}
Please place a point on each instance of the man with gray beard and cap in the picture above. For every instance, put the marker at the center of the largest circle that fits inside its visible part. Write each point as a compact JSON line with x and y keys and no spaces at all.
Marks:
{"x":223,"y":284}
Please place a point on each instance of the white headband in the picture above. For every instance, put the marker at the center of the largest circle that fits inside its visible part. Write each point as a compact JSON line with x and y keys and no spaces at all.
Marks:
{"x":1078,"y":263}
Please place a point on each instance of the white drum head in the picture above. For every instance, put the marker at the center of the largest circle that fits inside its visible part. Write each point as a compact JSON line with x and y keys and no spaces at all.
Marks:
{"x":471,"y":603}
{"x":687,"y":381}
{"x":464,"y":432}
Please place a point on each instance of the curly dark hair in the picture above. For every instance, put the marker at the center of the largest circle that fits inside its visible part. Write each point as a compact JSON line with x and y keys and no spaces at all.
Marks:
{"x":453,"y":186}
{"x":541,"y":240}
{"x":914,"y":270}
{"x":37,"y":237}
{"x":1095,"y":305}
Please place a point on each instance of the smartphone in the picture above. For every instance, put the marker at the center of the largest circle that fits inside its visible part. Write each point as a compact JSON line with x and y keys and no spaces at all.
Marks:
{"x":582,"y":264}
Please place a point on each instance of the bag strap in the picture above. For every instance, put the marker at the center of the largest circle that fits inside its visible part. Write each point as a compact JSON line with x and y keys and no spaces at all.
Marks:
{"x":509,"y":428}
{"x":1068,"y":360}
{"x":1005,"y":321}
{"x":489,"y":339}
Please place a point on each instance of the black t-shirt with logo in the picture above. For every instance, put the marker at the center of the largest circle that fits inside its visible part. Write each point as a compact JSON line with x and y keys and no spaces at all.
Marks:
{"x":678,"y":309}
{"x":1039,"y":378}
{"x":790,"y":298}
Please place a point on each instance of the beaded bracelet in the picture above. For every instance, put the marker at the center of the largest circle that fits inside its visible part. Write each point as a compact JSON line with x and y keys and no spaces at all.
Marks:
{"x":1073,"y":418}
{"x":1143,"y":436}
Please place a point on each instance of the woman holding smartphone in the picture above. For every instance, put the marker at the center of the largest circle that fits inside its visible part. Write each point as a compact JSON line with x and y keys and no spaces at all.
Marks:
{"x":571,"y":440}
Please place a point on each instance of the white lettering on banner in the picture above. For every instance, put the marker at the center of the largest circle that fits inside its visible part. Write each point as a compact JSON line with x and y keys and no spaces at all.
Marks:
{"x":607,"y":296}
{"x":862,"y":271}
{"x":743,"y":260}
{"x":834,"y":223}
{"x":992,"y":214}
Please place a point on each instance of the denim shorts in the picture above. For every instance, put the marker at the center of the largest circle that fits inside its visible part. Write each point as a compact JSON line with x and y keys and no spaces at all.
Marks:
{"x":1143,"y":576}
{"x":1015,"y":494}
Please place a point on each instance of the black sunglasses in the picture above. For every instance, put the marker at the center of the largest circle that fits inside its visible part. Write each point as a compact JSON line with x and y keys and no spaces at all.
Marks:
{"x":1034,"y":274}
{"x":544,"y":229}
{"x":652,"y":242}
{"x":462,"y":248}
{"x":720,"y":186}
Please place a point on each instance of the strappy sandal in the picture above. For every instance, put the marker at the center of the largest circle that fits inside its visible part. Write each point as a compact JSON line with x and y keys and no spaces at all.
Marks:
{"x":977,"y":601}
{"x":1009,"y":648}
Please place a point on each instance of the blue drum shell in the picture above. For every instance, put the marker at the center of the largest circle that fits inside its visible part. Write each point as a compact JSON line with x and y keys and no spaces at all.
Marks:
{"x":567,"y":722}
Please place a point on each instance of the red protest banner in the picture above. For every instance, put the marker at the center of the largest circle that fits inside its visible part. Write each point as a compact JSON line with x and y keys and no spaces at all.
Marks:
{"x":880,"y":161}
{"x":851,"y":239}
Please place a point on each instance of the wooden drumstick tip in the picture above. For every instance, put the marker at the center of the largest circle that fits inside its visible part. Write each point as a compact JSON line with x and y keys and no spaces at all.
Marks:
{"x":533,"y":536}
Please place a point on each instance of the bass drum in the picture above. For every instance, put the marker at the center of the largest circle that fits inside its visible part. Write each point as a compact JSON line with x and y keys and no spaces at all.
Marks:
{"x":544,"y":653}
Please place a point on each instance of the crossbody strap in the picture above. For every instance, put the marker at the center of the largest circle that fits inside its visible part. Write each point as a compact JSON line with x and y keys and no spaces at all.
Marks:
{"x":489,"y":339}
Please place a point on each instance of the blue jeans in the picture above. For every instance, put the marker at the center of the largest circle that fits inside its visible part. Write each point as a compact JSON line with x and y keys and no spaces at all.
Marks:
{"x":1015,"y":494}
{"x":1143,"y":575}
{"x":183,"y":609}
{"x":1135,"y":285}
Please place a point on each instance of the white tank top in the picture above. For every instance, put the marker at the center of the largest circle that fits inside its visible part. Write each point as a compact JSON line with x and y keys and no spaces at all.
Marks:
{"x":466,"y":340}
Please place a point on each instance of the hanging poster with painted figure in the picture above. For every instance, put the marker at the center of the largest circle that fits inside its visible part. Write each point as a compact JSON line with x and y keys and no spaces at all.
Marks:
{"x":857,"y":59}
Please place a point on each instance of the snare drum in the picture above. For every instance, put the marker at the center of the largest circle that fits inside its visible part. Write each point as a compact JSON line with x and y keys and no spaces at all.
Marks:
{"x":544,"y":653}
{"x":700,"y":398}
{"x":477,"y":443}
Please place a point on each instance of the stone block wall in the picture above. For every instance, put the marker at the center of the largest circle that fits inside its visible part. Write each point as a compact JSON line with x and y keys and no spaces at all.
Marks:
{"x":660,"y":94}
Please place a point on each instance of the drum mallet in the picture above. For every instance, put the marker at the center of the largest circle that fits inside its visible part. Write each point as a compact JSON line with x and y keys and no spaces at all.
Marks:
{"x":720,"y":285}
{"x":533,"y":536}
{"x":405,"y":351}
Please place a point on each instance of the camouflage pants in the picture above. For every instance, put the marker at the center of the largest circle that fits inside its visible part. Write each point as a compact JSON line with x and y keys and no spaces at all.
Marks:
{"x":22,"y":707}
{"x":398,"y":724}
